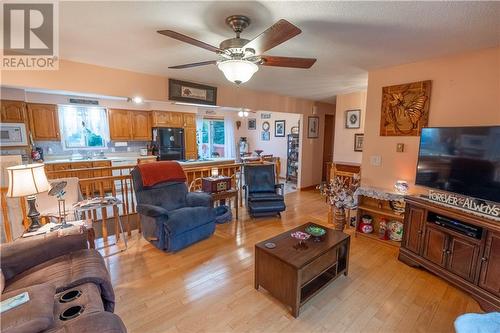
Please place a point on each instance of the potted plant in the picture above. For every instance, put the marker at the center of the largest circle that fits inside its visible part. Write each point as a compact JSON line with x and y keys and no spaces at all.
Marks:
{"x":339,"y":194}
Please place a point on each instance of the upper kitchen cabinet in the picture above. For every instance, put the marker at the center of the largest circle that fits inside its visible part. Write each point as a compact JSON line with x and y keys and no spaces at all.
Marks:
{"x":44,"y":122}
{"x":129,"y":125}
{"x":189,"y":120}
{"x":119,"y":124}
{"x":12,"y":112}
{"x":168,"y":119}
{"x":141,"y":125}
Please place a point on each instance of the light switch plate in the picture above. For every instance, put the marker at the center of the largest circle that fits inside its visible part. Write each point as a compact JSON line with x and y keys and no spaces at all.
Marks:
{"x":400,"y":147}
{"x":375,"y":160}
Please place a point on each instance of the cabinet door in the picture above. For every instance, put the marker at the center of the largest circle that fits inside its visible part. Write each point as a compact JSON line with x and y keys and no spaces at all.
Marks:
{"x":13,"y":112}
{"x":413,"y":229}
{"x":175,"y":120}
{"x":44,"y":122}
{"x":161,"y":118}
{"x":189,"y":120}
{"x":82,"y":174}
{"x":60,"y":167}
{"x":191,"y":148}
{"x":141,"y":125}
{"x":462,"y":257}
{"x":119,"y":124}
{"x":490,"y":264}
{"x":435,"y":245}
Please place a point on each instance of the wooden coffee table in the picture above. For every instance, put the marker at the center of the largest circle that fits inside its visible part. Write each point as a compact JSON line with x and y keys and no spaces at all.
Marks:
{"x":295,"y":274}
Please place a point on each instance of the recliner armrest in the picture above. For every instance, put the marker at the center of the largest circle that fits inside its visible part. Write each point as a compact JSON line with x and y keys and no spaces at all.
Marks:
{"x":18,"y":256}
{"x":280,"y":186}
{"x":151,"y":210}
{"x":199,"y":199}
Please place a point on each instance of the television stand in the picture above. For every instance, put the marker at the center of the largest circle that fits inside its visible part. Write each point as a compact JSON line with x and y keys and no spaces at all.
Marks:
{"x":458,"y":246}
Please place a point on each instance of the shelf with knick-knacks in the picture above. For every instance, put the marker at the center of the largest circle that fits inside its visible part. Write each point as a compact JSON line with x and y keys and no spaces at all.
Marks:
{"x":380,"y":215}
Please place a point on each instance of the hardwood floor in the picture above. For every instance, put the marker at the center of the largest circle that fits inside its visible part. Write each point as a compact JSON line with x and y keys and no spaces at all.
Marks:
{"x":208,"y":287}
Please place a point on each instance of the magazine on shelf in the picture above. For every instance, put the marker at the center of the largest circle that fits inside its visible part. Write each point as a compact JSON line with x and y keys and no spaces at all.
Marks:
{"x":98,"y":201}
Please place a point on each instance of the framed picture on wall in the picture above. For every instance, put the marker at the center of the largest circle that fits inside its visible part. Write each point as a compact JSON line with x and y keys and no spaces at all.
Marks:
{"x":279,"y":128}
{"x":353,"y":119}
{"x":313,"y":127}
{"x":252,"y":123}
{"x":265,"y":136}
{"x":358,"y":141}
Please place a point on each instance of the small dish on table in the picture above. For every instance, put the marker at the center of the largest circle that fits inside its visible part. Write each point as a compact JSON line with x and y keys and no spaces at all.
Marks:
{"x":316,"y":232}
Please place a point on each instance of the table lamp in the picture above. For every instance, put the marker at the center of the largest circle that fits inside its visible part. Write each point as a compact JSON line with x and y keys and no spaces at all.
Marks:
{"x":27,"y":180}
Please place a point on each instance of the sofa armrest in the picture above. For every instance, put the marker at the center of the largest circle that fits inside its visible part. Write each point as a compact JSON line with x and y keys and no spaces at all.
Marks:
{"x":199,"y":199}
{"x":24,"y":253}
{"x":151,"y":210}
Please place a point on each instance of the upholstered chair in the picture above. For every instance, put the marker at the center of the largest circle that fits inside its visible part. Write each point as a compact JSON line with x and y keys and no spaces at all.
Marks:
{"x":263,"y":195}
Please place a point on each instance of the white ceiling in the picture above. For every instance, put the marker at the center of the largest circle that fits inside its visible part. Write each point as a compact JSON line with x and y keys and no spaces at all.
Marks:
{"x":347,"y":38}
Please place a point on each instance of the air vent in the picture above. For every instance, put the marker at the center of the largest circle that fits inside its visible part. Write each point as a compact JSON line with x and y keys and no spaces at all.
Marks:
{"x":83,"y":101}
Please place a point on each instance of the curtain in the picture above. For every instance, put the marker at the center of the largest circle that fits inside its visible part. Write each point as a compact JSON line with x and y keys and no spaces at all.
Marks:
{"x":199,"y":134}
{"x":229,"y":143}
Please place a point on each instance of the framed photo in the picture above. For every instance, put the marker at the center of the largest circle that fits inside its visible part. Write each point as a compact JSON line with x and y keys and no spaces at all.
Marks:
{"x":252,"y":123}
{"x":189,"y":92}
{"x":313,"y":127}
{"x":353,"y":119}
{"x":358,"y":141}
{"x":265,"y":136}
{"x":279,"y":128}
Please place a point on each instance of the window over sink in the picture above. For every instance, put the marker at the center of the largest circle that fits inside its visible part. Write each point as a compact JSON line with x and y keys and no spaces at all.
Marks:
{"x":83,"y":127}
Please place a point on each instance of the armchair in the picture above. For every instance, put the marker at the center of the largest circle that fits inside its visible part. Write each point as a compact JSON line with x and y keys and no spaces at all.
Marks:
{"x":261,"y":190}
{"x":171,"y":217}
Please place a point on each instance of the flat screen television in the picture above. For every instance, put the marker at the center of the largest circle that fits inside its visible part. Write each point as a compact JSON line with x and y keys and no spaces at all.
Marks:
{"x":464,"y":160}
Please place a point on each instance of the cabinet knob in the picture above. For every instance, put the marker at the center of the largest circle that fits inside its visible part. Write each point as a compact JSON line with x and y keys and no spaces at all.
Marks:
{"x":483,"y":259}
{"x":419,"y":232}
{"x":448,"y":252}
{"x":444,"y":250}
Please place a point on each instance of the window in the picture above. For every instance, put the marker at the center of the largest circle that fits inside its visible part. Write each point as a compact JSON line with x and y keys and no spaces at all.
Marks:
{"x":83,"y":127}
{"x":212,"y":138}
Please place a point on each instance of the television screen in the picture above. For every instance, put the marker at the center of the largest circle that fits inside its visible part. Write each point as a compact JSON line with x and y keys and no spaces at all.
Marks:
{"x":464,"y":160}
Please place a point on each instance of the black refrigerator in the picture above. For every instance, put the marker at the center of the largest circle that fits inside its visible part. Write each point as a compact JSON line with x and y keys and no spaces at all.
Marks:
{"x":170,"y":142}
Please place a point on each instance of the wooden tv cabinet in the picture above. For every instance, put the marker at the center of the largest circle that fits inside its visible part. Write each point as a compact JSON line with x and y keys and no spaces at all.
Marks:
{"x":471,"y":264}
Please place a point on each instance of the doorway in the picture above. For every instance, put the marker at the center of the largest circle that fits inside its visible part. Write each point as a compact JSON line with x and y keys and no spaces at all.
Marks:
{"x":328,"y":145}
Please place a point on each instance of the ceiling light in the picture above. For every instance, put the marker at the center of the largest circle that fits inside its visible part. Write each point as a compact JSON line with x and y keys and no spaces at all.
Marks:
{"x":240,"y":114}
{"x":245,"y":113}
{"x":238,"y":71}
{"x":137,"y":99}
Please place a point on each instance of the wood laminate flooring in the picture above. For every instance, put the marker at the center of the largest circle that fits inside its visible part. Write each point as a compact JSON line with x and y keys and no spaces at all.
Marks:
{"x":208,"y":287}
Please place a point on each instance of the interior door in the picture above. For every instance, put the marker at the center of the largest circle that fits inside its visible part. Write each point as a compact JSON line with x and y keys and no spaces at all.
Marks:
{"x":462,"y":257}
{"x":328,"y":143}
{"x":435,"y":245}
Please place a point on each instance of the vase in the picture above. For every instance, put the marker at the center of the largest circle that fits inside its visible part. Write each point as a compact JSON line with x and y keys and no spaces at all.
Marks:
{"x":339,"y":219}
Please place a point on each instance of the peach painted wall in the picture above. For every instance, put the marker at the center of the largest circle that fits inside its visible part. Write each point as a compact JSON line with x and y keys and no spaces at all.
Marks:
{"x":344,"y":137}
{"x":91,"y":79}
{"x":465,"y":91}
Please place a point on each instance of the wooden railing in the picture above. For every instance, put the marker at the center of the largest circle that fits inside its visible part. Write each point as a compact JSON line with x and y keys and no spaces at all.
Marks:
{"x":121,"y":186}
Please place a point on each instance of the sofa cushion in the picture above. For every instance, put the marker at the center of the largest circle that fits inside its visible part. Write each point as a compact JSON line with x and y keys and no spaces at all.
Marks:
{"x":188,"y":218}
{"x":265,"y":196}
{"x":68,"y":271}
{"x":33,"y":316}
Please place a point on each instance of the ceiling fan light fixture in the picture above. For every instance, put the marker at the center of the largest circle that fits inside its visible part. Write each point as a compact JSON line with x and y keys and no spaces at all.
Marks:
{"x":238,"y":71}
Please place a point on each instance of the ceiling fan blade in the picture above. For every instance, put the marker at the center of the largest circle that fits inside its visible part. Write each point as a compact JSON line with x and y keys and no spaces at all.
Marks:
{"x":189,"y":40}
{"x":278,"y":33}
{"x":195,"y":64}
{"x":287,"y":62}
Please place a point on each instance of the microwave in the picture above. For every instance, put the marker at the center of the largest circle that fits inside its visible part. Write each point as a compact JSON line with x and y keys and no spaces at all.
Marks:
{"x":13,"y":135}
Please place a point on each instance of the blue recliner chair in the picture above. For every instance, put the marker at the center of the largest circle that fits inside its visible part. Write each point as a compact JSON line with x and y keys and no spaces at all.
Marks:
{"x":261,"y":190}
{"x":171,"y":217}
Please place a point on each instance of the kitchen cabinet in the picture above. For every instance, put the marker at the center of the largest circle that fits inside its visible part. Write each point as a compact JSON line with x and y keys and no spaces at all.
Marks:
{"x":168,"y":119}
{"x":176,"y":119}
{"x":13,"y":112}
{"x":189,"y":120}
{"x":412,"y":237}
{"x":43,"y":121}
{"x":65,"y":170}
{"x":191,"y":148}
{"x":119,"y":124}
{"x":141,"y":125}
{"x":129,"y":125}
{"x":490,"y":264}
{"x":107,"y":185}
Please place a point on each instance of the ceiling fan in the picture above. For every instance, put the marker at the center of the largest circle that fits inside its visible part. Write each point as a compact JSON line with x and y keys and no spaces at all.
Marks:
{"x":240,"y":58}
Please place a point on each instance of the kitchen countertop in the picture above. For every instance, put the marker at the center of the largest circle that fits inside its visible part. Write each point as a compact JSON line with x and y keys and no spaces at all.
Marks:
{"x":97,"y":159}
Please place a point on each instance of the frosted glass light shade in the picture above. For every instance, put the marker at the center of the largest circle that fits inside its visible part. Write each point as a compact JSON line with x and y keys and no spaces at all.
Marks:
{"x":27,"y":179}
{"x":238,"y":71}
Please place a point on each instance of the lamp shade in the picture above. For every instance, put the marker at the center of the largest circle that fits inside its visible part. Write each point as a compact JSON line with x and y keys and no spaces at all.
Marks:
{"x":27,"y":179}
{"x":238,"y":71}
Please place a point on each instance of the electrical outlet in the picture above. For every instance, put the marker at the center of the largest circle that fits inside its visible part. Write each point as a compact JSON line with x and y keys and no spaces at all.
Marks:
{"x":121,"y":144}
{"x":375,"y":160}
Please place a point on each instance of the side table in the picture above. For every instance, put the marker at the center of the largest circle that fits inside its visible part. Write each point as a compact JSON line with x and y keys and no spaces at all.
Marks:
{"x":222,"y":196}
